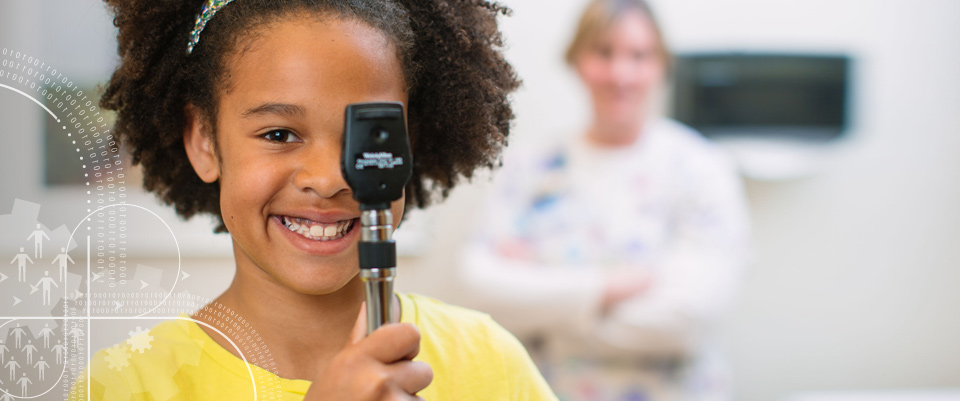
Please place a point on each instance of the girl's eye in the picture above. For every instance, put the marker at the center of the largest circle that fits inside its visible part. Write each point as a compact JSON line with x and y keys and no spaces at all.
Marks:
{"x":280,"y":135}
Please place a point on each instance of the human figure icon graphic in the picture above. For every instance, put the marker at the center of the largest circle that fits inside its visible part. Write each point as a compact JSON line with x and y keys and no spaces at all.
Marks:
{"x":38,"y":236}
{"x":61,"y":351}
{"x":24,"y":382}
{"x":12,"y":364}
{"x":46,"y":332}
{"x":29,"y":349}
{"x":3,"y":352}
{"x":63,"y":258}
{"x":17,"y":334}
{"x":21,"y":259}
{"x":41,"y":366}
{"x":76,"y":333}
{"x":6,"y":397}
{"x":45,"y":282}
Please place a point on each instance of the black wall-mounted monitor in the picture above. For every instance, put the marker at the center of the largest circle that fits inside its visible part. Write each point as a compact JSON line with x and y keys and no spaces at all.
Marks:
{"x":800,"y":96}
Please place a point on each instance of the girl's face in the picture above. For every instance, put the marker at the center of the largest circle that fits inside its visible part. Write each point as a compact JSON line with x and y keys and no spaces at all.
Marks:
{"x":280,"y":122}
{"x":621,"y":68}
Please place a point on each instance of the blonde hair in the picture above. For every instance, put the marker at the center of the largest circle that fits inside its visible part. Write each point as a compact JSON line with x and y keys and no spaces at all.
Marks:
{"x":600,"y":15}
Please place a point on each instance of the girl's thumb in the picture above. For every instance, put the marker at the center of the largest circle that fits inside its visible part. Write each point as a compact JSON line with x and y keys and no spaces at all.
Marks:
{"x":360,"y":326}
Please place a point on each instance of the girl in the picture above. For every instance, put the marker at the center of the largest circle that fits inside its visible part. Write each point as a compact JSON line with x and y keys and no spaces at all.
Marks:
{"x":236,"y":110}
{"x":617,"y":251}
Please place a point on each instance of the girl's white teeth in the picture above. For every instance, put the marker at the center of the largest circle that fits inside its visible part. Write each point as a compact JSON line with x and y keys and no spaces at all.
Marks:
{"x":317,"y":231}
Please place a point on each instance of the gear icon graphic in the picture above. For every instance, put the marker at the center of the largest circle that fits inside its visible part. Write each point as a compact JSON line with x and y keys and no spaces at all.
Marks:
{"x":140,"y":340}
{"x":118,"y":357}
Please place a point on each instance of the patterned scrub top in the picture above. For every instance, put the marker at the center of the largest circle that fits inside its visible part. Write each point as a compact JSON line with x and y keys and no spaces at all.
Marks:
{"x":563,"y":217}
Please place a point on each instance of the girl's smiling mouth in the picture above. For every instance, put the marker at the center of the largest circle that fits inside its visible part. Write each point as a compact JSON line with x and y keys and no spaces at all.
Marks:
{"x":317,"y":231}
{"x":318,"y":238}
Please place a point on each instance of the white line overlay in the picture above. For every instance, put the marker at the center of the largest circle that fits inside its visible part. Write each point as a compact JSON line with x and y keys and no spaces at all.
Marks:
{"x":31,"y":98}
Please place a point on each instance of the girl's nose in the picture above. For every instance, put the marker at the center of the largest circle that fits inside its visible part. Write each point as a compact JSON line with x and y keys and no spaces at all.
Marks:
{"x":319,"y":171}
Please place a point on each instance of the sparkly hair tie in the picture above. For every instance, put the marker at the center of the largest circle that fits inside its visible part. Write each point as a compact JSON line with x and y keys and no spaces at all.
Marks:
{"x":206,"y":13}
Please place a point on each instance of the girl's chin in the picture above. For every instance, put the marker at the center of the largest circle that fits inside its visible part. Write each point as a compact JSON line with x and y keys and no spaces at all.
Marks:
{"x":319,"y":281}
{"x":311,"y":276}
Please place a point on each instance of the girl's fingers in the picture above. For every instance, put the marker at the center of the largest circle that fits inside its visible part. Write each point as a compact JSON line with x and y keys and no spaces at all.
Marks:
{"x":392,"y":342}
{"x":411,"y":376}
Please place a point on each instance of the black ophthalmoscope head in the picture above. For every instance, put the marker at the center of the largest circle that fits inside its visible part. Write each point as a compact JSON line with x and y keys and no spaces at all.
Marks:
{"x":376,"y":160}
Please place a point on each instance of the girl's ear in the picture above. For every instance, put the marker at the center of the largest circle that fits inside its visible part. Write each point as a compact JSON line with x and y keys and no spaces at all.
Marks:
{"x":198,"y":141}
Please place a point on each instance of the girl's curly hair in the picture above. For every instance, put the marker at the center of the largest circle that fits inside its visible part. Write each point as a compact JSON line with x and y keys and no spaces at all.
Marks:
{"x":458,"y":113}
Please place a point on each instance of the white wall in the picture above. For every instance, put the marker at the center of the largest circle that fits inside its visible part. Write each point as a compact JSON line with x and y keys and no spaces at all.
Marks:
{"x":857,"y":282}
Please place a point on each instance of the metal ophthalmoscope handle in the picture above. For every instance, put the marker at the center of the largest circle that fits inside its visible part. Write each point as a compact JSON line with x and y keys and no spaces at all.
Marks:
{"x":378,"y":266}
{"x":376,"y":164}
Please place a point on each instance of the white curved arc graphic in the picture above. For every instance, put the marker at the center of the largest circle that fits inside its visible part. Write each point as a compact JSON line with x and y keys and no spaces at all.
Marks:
{"x":179,"y":258}
{"x":31,"y":98}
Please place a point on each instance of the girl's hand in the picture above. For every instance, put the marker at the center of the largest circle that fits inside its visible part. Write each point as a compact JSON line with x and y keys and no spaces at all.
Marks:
{"x":374,"y":368}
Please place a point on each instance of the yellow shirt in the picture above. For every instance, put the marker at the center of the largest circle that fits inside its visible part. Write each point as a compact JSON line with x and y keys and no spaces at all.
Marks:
{"x":472,"y":357}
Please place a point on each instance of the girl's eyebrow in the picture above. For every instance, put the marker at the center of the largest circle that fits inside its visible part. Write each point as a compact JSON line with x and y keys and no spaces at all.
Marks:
{"x":280,"y":109}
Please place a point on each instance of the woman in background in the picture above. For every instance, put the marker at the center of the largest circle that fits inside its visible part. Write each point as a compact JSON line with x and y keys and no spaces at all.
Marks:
{"x":614,"y":254}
